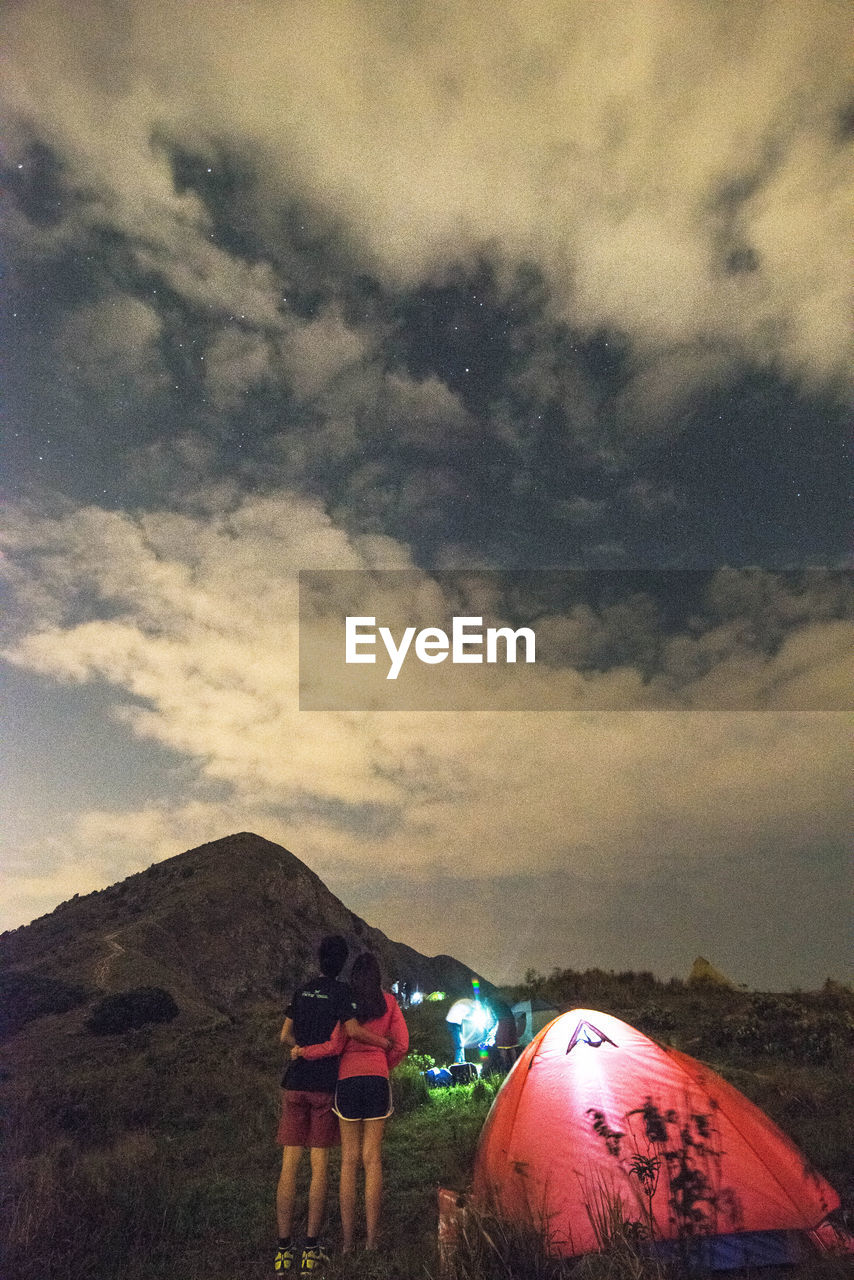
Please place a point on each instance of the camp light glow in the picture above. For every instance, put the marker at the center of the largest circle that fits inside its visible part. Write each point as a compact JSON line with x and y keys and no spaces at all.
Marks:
{"x":481,"y":1019}
{"x":433,"y":645}
{"x":473,"y":1018}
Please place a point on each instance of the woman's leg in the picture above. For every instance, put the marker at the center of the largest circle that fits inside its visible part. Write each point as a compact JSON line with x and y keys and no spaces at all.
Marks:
{"x":372,"y":1141}
{"x":351,"y":1144}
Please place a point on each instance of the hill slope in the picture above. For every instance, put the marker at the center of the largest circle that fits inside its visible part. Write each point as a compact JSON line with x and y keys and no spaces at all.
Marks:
{"x":219,"y":926}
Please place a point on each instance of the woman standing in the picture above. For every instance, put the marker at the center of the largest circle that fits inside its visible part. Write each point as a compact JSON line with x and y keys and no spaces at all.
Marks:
{"x":363,"y":1093}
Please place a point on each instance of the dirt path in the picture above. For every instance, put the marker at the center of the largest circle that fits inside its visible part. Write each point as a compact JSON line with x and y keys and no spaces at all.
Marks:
{"x":115,"y":949}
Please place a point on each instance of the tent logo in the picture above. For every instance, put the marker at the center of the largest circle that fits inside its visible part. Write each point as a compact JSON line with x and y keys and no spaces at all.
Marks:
{"x":586,"y":1033}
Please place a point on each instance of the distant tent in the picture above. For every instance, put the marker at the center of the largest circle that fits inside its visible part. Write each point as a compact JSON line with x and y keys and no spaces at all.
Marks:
{"x":531,"y":1016}
{"x":595,"y":1113}
{"x":705,"y":974}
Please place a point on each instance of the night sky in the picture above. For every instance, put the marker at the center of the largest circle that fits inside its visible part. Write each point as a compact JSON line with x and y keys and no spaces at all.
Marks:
{"x":432,"y":286}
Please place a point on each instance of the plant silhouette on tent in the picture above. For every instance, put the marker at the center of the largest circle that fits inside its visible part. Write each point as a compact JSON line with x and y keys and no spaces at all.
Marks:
{"x":597,"y":1124}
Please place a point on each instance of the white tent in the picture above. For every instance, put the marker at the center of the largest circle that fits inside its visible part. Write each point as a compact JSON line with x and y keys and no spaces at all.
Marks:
{"x":531,"y":1016}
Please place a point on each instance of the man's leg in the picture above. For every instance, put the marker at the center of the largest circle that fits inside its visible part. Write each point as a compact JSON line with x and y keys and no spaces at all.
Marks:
{"x":372,"y":1141}
{"x":317,"y":1189}
{"x":351,"y":1149}
{"x":286,"y":1190}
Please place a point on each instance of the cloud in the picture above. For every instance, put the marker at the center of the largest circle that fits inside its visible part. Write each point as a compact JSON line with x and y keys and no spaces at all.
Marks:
{"x":674,"y":171}
{"x":316,"y":354}
{"x":277,"y":216}
{"x":235,"y":361}
{"x":192,"y":621}
{"x":200,"y":630}
{"x":630,"y":216}
{"x":730,"y":908}
{"x":113,"y":342}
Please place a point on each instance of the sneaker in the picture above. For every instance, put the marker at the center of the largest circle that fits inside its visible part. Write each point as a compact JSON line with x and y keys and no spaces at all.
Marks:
{"x":284,"y":1261}
{"x":313,"y":1261}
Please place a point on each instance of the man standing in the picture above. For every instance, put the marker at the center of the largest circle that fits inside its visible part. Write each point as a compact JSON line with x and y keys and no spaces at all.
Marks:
{"x":504,"y":1035}
{"x":307,"y":1119}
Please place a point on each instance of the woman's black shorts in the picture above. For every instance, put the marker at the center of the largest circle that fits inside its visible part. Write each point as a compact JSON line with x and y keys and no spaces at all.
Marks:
{"x":363,"y":1098}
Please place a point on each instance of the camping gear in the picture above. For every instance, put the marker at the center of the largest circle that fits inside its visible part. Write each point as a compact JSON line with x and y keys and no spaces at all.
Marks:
{"x":598,"y":1124}
{"x":463,"y":1072}
{"x":531,"y":1016}
{"x":438,"y":1078}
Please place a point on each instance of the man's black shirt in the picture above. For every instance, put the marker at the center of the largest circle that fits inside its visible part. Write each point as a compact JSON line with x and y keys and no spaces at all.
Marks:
{"x":315,"y":1009}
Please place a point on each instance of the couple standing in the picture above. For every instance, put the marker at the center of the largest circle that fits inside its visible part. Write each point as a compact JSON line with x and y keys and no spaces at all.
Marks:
{"x":344,"y":1039}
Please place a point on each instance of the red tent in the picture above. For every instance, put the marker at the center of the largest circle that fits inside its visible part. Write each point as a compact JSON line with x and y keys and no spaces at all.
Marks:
{"x":595,"y":1113}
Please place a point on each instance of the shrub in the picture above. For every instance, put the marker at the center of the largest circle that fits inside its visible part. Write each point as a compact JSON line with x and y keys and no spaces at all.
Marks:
{"x":595,"y":988}
{"x":428,"y":1032}
{"x":480,"y":1092}
{"x":783,"y":1028}
{"x":410,"y":1087}
{"x":489,"y":1247}
{"x":127,"y":1010}
{"x":27,"y":996}
{"x":654,"y":1018}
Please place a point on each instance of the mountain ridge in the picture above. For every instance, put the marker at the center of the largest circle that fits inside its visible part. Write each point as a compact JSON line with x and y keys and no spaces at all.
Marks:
{"x":226,"y":923}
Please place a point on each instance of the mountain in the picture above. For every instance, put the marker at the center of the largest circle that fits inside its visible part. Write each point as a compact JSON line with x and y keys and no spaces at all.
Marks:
{"x":219,"y":926}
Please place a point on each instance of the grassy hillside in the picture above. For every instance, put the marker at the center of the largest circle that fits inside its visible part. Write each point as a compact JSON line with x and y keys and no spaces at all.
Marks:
{"x":149,"y":1152}
{"x":219,"y":926}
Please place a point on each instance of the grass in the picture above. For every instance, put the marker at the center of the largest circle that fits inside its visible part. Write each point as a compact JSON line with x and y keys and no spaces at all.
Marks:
{"x":150,"y":1154}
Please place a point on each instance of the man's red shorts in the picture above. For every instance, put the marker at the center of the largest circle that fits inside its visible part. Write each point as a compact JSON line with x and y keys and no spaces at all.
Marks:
{"x":307,"y":1119}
